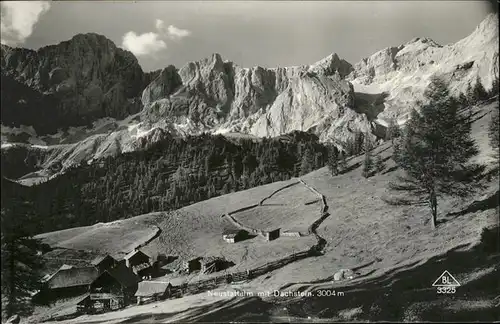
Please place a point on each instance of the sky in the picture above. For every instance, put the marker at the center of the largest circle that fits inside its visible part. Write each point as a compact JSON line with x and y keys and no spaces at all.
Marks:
{"x":264,"y":33}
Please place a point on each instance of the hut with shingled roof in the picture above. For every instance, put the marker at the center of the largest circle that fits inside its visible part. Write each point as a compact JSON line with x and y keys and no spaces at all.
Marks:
{"x":152,"y":291}
{"x":104,"y":262}
{"x":113,"y":289}
{"x":67,"y":282}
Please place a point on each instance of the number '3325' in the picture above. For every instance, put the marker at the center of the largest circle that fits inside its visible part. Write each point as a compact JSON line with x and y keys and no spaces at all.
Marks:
{"x":446,"y":290}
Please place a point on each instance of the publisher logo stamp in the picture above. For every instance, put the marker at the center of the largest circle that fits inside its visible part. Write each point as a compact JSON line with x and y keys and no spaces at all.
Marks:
{"x":446,"y":283}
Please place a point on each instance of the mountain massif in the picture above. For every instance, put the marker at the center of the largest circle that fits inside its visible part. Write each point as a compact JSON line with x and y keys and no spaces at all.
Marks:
{"x":77,"y":82}
{"x":85,"y":98}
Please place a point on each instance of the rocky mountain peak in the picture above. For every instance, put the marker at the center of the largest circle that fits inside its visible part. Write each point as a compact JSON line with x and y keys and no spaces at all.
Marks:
{"x":485,"y":34}
{"x":423,"y":40}
{"x":90,"y":40}
{"x":216,"y":58}
{"x":86,"y":77}
{"x":162,"y":86}
{"x":214,"y":61}
{"x":94,"y":37}
{"x":219,"y":95}
{"x":489,"y":25}
{"x":404,"y":72}
{"x":332,"y":64}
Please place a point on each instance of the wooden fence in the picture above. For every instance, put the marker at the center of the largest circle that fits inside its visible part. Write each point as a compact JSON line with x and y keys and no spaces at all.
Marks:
{"x":291,"y":234}
{"x":241,"y":226}
{"x":211,"y":283}
{"x":203,"y":285}
{"x":278,"y":190}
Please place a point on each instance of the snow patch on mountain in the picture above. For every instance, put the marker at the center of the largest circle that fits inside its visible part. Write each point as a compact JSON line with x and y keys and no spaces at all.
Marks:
{"x":404,"y":72}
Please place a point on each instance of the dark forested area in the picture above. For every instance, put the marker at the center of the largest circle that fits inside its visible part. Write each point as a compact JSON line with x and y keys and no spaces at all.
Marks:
{"x":172,"y":173}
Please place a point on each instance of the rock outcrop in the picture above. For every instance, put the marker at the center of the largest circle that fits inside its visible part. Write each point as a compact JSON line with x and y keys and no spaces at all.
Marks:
{"x":76,"y":82}
{"x":211,"y":94}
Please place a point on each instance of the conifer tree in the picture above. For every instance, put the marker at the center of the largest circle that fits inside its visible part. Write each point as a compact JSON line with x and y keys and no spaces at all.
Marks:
{"x":494,"y":87}
{"x":306,"y":165}
{"x":359,"y":139}
{"x":493,"y":129}
{"x":462,"y":100}
{"x":342,"y":162}
{"x":333,"y":161}
{"x":368,"y":162}
{"x":469,"y":94}
{"x":349,"y":147}
{"x":393,"y":130}
{"x":479,"y":91}
{"x":21,"y":265}
{"x":378,"y":164}
{"x":435,"y":153}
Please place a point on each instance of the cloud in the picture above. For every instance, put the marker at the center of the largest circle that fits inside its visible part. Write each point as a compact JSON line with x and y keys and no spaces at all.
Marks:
{"x":18,"y":19}
{"x":144,"y":44}
{"x":177,"y":33}
{"x":152,"y":42}
{"x":171,"y":31}
{"x":159,"y":24}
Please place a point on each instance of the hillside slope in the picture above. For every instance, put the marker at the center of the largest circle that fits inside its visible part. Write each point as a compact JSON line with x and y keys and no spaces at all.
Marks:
{"x":172,"y":173}
{"x":361,"y":232}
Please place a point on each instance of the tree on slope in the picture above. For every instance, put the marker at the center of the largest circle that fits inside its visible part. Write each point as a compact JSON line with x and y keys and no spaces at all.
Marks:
{"x":20,"y":265}
{"x":393,"y":130}
{"x":359,"y":140}
{"x":494,"y":128}
{"x":378,"y":164}
{"x":462,"y":100}
{"x":368,"y":162}
{"x":342,"y":162}
{"x":435,"y":153}
{"x":494,"y":87}
{"x":306,"y":164}
{"x":479,"y":92}
{"x":333,"y":160}
{"x":469,"y":95}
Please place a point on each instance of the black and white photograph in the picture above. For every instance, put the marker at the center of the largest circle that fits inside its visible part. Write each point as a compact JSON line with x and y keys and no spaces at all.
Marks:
{"x":249,"y":161}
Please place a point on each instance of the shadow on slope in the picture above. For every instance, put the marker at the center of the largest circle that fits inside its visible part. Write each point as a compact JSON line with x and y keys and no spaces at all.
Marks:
{"x":481,"y":205}
{"x":406,"y":294}
{"x":251,"y":309}
{"x":403,"y":294}
{"x":369,"y":104}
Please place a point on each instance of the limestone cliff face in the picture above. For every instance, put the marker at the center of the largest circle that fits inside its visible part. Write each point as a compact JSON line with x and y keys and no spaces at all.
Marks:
{"x":87,"y":77}
{"x":211,"y":94}
{"x":309,"y":103}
